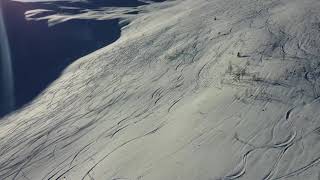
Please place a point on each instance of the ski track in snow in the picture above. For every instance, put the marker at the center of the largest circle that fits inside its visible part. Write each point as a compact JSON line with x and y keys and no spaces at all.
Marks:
{"x":192,"y":90}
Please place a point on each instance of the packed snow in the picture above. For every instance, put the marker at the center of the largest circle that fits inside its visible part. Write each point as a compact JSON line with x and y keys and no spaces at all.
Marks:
{"x":192,"y":90}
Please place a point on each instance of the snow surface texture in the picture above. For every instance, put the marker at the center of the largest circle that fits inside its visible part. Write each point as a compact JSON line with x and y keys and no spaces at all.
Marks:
{"x":192,"y":90}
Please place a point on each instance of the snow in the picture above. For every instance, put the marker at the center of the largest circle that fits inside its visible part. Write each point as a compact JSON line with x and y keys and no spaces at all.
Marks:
{"x":172,"y":99}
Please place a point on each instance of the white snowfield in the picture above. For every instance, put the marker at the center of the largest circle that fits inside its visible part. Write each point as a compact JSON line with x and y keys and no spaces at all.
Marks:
{"x":193,"y":90}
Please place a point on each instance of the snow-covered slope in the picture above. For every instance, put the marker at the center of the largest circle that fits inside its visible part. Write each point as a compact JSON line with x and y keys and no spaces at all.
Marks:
{"x":192,"y":90}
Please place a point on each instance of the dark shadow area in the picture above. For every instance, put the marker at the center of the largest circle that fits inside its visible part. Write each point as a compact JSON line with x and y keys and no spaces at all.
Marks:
{"x":6,"y":79}
{"x":40,"y":53}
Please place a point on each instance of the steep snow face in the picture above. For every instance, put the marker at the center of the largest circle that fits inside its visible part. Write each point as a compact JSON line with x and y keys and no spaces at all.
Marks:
{"x":192,"y":90}
{"x":45,"y":37}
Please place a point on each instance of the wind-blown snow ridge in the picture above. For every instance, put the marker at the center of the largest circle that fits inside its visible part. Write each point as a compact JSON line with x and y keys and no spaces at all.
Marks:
{"x":192,"y":90}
